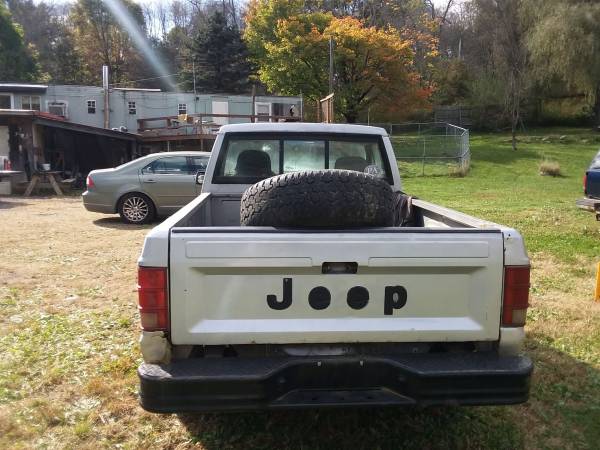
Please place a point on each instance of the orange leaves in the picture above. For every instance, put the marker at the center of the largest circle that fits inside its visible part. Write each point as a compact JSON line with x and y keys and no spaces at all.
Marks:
{"x":372,"y":66}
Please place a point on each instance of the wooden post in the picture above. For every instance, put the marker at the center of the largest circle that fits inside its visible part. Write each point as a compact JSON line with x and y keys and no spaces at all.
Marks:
{"x":54,"y":184}
{"x":318,"y":111}
{"x":253,"y":103}
{"x":597,"y":294}
{"x":34,"y":180}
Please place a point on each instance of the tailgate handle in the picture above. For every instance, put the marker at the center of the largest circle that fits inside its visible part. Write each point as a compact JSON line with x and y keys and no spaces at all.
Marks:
{"x":336,"y":268}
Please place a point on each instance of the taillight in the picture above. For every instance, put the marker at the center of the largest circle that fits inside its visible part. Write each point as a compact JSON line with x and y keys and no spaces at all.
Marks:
{"x":516,"y":296}
{"x":89,"y":182}
{"x":153,"y":298}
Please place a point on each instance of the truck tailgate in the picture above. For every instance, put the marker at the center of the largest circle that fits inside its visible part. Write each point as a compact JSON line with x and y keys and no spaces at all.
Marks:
{"x":268,"y":287}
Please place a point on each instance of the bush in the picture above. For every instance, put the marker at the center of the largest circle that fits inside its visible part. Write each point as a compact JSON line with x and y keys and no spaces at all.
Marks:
{"x":459,"y":171}
{"x":550,"y":168}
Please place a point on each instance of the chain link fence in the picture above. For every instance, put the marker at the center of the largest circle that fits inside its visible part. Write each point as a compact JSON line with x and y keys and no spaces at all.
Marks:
{"x":434,"y":148}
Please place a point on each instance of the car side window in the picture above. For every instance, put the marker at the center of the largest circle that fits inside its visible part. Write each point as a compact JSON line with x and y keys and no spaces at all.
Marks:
{"x":170,"y":165}
{"x":198,"y":163}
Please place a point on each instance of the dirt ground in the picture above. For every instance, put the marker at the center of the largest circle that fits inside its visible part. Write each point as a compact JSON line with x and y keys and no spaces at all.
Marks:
{"x":68,"y":355}
{"x":71,"y":276}
{"x":56,"y":246}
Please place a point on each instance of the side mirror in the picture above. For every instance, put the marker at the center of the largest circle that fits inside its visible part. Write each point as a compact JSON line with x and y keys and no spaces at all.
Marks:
{"x":199,"y":177}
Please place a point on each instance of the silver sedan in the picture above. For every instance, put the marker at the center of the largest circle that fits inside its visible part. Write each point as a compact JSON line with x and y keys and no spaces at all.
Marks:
{"x":154,"y":185}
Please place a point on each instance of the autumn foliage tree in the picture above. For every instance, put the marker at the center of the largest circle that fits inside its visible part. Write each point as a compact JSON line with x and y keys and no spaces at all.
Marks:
{"x":373,"y":66}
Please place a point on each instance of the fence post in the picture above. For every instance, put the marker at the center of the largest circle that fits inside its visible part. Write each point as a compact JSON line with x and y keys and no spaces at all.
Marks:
{"x":423,"y":167}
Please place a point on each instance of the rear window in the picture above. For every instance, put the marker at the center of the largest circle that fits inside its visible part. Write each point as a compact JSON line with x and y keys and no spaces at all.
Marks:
{"x":247,"y":159}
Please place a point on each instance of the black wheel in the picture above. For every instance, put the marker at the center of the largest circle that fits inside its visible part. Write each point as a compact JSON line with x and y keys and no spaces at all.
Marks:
{"x":319,"y":199}
{"x":136,"y":208}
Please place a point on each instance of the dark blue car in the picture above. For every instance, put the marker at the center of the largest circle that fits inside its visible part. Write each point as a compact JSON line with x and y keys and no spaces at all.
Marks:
{"x":591,"y":188}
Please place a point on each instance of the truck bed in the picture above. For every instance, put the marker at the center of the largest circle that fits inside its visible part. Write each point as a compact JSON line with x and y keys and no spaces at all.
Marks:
{"x":211,"y":210}
{"x":222,"y":276}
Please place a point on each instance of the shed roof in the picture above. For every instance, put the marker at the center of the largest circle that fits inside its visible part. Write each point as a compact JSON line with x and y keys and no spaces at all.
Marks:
{"x":50,"y":120}
{"x":20,"y":87}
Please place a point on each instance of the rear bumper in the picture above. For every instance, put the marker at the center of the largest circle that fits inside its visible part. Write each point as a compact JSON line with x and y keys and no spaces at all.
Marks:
{"x":94,"y":202}
{"x":589,"y":204}
{"x":229,"y":384}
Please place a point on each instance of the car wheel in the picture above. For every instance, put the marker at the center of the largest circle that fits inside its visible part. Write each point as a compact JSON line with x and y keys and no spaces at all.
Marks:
{"x":136,"y":208}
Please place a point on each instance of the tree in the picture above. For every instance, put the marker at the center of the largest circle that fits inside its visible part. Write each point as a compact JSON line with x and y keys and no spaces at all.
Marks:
{"x":261,"y":20}
{"x":220,"y":57}
{"x":491,"y":39}
{"x":296,"y":56}
{"x":16,"y":61}
{"x":501,"y":21}
{"x":47,"y":31}
{"x":101,"y":41}
{"x":563,"y":39}
{"x":372,"y":66}
{"x":452,"y":79}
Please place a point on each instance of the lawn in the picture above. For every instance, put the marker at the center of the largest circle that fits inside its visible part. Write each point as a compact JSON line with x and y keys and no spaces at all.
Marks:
{"x":68,"y":341}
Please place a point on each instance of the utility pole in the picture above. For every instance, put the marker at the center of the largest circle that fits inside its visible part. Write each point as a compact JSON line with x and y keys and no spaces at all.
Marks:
{"x":194,"y":75}
{"x":331,"y":65}
{"x":106,"y":95}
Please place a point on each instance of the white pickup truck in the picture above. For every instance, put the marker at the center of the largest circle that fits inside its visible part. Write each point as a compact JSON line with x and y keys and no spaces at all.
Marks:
{"x":425,"y":311}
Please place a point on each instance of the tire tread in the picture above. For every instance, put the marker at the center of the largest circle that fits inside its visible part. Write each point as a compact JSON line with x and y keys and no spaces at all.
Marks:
{"x":318,"y":198}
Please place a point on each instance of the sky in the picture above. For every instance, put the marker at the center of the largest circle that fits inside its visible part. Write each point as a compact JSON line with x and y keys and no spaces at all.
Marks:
{"x":443,"y":3}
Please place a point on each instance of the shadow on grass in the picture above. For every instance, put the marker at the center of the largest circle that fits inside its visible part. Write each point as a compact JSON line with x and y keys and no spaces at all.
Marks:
{"x":563,"y":412}
{"x":446,"y":427}
{"x":115,"y":223}
{"x":8,"y":203}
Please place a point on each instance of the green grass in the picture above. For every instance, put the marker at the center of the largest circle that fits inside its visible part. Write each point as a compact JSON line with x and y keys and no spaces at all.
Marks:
{"x":504,"y":186}
{"x":67,"y":370}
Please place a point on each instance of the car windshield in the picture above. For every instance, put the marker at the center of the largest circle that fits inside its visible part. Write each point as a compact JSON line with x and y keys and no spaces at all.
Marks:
{"x":248,"y":159}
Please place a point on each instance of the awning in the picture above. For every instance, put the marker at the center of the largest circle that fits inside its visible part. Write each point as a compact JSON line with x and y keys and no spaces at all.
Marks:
{"x":85,"y":129}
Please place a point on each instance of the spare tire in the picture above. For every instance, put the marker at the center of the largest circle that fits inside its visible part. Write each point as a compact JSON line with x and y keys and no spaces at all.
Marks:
{"x":319,"y":199}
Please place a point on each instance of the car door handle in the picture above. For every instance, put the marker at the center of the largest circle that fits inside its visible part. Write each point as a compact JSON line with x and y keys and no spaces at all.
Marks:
{"x":149,"y":181}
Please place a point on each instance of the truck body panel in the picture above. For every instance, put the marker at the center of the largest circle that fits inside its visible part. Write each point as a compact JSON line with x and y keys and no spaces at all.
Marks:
{"x":452,"y":288}
{"x":592,"y":186}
